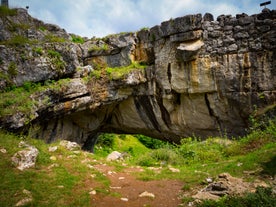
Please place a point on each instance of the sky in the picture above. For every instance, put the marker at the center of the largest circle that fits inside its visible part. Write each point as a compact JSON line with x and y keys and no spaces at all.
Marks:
{"x":100,"y":18}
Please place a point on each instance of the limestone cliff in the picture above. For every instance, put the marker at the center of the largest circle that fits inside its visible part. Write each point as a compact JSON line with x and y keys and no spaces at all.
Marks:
{"x":197,"y":76}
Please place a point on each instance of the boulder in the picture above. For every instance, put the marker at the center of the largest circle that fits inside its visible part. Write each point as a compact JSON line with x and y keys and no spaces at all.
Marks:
{"x":25,"y":158}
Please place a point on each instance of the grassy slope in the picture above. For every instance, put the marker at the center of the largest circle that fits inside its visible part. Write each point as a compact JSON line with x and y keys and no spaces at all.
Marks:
{"x":69,"y":181}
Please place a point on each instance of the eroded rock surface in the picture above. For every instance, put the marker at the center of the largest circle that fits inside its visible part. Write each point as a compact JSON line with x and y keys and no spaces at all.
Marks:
{"x":203,"y":77}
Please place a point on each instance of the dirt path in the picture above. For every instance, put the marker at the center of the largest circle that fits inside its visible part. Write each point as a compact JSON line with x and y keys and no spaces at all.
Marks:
{"x":128,"y":190}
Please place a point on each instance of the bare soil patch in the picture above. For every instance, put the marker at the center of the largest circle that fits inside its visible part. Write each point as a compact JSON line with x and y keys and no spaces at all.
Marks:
{"x":126,"y":190}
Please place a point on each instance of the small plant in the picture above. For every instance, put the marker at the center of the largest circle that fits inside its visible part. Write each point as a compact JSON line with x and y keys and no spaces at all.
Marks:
{"x":38,"y":50}
{"x":77,"y":39}
{"x":12,"y":69}
{"x":5,"y":11}
{"x":17,"y":41}
{"x":54,"y":39}
{"x":106,"y":140}
{"x":56,"y":60}
{"x":54,"y":54}
{"x":144,"y":29}
{"x":120,"y":72}
{"x":149,"y":142}
{"x":104,"y":47}
{"x":42,"y":28}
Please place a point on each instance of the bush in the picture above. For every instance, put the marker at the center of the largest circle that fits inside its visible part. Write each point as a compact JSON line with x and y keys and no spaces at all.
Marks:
{"x":77,"y":39}
{"x":106,"y":140}
{"x":165,"y":155}
{"x":5,"y":11}
{"x":17,"y":41}
{"x":12,"y":69}
{"x":149,"y":142}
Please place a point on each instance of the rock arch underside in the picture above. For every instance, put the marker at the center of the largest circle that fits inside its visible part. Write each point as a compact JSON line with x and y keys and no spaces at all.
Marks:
{"x":201,"y":77}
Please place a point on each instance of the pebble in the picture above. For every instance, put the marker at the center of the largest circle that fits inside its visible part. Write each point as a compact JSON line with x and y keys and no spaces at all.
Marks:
{"x":3,"y":150}
{"x":124,"y":199}
{"x":147,"y":194}
{"x":93,"y":192}
{"x":52,"y":149}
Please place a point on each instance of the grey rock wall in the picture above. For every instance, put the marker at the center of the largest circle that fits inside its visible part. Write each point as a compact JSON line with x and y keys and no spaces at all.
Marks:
{"x":204,"y":77}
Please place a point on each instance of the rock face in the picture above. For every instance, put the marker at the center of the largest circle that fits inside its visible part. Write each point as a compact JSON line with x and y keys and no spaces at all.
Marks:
{"x":202,"y":77}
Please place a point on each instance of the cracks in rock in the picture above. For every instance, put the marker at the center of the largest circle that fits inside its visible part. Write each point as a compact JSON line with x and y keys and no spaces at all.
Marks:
{"x":169,"y":73}
{"x":211,"y":111}
{"x":145,"y":110}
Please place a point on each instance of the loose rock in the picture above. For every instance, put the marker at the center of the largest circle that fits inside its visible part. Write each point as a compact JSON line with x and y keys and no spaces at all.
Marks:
{"x":114,"y":156}
{"x":147,"y":194}
{"x":25,"y":158}
{"x":70,"y":145}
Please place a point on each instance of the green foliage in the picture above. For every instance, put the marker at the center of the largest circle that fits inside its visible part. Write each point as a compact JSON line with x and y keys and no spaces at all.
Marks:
{"x":12,"y":69}
{"x":262,"y":197}
{"x":104,"y":47}
{"x":106,"y":140}
{"x":17,"y":99}
{"x":38,"y":50}
{"x":16,"y":41}
{"x":166,"y":155}
{"x":149,"y":142}
{"x":120,"y":72}
{"x":54,"y":54}
{"x":13,"y":27}
{"x":144,"y":29}
{"x":56,"y":59}
{"x":77,"y":39}
{"x":54,"y":39}
{"x":65,"y":182}
{"x":5,"y":11}
{"x":42,"y":28}
{"x":107,"y":143}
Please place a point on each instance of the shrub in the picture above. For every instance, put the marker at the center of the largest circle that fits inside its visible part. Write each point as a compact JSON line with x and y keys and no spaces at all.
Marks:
{"x":56,"y":59}
{"x":38,"y":50}
{"x":77,"y":39}
{"x":17,"y":41}
{"x":12,"y":69}
{"x":149,"y":142}
{"x":165,"y":155}
{"x":106,"y":140}
{"x":5,"y":11}
{"x":53,"y":38}
{"x":119,"y":72}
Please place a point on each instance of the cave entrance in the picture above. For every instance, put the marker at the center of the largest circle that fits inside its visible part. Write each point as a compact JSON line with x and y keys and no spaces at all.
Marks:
{"x":126,"y":143}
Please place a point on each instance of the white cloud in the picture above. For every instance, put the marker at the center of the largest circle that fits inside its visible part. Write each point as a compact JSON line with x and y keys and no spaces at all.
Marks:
{"x":102,"y":17}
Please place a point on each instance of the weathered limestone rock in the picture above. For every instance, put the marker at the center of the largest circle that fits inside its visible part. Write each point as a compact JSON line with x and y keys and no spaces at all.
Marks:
{"x":226,"y":185}
{"x":203,"y":77}
{"x":25,"y":158}
{"x":114,"y":156}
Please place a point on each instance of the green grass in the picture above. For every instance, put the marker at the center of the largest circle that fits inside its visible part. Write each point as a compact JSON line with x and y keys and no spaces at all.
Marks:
{"x":69,"y":182}
{"x":120,"y":72}
{"x":77,"y":39}
{"x":17,"y":41}
{"x":66,"y":184}
{"x":18,"y":99}
{"x":5,"y":11}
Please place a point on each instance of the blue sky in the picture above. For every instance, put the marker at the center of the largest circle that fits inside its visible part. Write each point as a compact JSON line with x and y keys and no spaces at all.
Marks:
{"x":102,"y":17}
